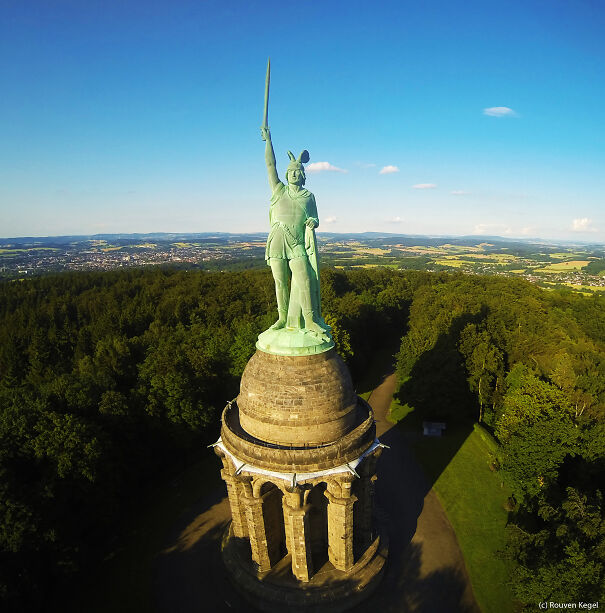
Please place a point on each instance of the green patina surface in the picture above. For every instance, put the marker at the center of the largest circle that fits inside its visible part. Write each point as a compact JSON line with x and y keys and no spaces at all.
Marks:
{"x":292,"y":255}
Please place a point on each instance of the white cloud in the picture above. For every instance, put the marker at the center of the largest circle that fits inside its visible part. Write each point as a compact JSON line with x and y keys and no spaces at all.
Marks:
{"x":499,"y":111}
{"x":458,"y":192}
{"x":424,"y":186}
{"x":582,"y":224}
{"x":387,"y":170}
{"x":330,"y":219}
{"x":323,"y":166}
{"x":395,"y":219}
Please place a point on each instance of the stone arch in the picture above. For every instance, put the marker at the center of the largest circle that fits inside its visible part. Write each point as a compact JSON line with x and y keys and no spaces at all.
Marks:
{"x":318,"y":524}
{"x":259,"y":482}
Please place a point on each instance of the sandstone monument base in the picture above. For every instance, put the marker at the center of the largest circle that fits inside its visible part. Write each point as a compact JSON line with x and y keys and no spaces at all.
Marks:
{"x":328,"y":591}
{"x":299,"y":453}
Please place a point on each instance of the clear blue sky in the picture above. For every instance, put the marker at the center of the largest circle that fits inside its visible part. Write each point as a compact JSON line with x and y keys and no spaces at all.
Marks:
{"x":141,"y":116}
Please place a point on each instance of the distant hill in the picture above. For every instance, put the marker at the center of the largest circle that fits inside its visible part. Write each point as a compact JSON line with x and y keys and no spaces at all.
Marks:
{"x":387,"y":237}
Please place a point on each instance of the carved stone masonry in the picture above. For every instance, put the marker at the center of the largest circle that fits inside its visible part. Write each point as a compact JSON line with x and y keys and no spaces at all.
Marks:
{"x":299,"y":482}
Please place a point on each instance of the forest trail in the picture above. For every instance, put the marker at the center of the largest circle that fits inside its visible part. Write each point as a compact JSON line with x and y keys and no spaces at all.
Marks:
{"x":425,"y":571}
{"x":380,"y":401}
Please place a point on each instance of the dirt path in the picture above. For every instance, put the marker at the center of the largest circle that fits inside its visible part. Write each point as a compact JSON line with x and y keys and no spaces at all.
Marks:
{"x":425,"y":572}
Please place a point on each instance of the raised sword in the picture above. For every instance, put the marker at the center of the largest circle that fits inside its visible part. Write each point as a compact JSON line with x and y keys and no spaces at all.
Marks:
{"x":267,"y":80}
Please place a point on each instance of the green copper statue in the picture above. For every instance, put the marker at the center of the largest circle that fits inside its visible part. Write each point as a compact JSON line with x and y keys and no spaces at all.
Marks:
{"x":292,"y":254}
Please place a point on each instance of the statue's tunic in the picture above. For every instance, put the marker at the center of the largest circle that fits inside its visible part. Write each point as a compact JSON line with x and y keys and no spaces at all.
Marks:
{"x":288,"y":213}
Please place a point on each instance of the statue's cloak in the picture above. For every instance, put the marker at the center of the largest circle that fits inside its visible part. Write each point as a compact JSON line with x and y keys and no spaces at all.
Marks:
{"x":295,"y":239}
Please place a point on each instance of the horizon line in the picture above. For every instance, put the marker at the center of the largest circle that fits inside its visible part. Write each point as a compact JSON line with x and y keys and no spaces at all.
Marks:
{"x":265,"y":233}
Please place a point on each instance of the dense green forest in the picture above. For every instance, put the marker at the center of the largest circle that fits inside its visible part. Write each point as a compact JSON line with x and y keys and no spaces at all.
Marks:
{"x":108,"y":380}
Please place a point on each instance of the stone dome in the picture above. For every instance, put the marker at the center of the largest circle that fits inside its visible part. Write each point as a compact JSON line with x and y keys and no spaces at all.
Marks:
{"x":297,"y":414}
{"x":293,"y":401}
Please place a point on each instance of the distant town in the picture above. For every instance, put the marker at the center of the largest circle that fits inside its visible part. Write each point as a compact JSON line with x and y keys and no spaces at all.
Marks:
{"x":574,"y":266}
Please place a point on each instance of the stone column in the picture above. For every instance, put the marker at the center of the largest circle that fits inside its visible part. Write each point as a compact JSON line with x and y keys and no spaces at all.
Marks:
{"x":340,"y":524}
{"x":287,"y":525}
{"x":297,"y":535}
{"x":235,"y":494}
{"x":256,"y":526}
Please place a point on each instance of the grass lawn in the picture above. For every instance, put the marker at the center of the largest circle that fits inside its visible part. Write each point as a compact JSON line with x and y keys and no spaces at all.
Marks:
{"x":123,"y":581}
{"x":473,"y":498}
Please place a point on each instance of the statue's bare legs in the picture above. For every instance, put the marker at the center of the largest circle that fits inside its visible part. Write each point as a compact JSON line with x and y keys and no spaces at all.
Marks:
{"x":300,"y":279}
{"x":281,"y":276}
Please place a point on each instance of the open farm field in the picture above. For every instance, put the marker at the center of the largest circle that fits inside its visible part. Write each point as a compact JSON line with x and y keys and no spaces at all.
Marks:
{"x":564,"y":255}
{"x":565,"y":266}
{"x":585,"y":289}
{"x":372,"y":266}
{"x":371,"y":251}
{"x":454,"y":262}
{"x":422,"y":250}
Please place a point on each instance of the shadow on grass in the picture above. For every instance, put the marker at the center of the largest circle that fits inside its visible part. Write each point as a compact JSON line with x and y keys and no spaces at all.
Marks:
{"x":437,"y":388}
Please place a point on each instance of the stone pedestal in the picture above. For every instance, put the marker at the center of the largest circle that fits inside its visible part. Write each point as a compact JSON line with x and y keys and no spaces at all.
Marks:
{"x":299,"y":450}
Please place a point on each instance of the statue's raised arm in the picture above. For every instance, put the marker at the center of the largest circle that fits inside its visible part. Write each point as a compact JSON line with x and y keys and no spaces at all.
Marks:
{"x":270,"y":157}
